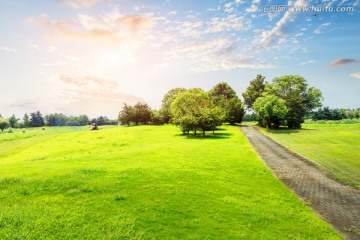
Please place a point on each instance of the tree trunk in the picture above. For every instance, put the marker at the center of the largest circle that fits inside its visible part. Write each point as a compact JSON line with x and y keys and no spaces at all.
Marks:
{"x":203,"y":133}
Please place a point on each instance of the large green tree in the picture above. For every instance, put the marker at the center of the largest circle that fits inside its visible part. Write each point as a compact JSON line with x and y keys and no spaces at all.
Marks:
{"x":254,"y":91}
{"x":126,"y":114}
{"x":194,"y":110}
{"x":298,"y":96}
{"x":225,"y":97}
{"x":167,"y":101}
{"x":4,"y":123}
{"x":270,"y":111}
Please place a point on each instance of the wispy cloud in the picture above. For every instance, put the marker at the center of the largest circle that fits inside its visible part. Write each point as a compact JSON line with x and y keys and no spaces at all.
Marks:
{"x":342,"y":61}
{"x":79,"y":3}
{"x":6,"y":49}
{"x":321,"y":28}
{"x":356,"y":75}
{"x":282,"y":29}
{"x":113,"y":27}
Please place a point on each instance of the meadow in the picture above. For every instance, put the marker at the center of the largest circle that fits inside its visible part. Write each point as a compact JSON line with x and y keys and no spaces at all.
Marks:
{"x":145,"y":182}
{"x":333,"y":145}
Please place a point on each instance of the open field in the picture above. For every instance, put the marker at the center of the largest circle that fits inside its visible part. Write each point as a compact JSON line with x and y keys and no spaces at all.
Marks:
{"x":144,"y":183}
{"x":334,"y":146}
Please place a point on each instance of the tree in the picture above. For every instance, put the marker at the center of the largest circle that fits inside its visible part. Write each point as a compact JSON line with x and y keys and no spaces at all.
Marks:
{"x":36,"y":119}
{"x":126,"y":114}
{"x":270,"y":110}
{"x":194,"y":110}
{"x":350,"y":114}
{"x":234,"y":111}
{"x":299,"y":98}
{"x":225,"y":97}
{"x":254,"y":91}
{"x":142,"y":113}
{"x":13,"y":121}
{"x":83,"y":120}
{"x":4,"y":123}
{"x":26,"y":120}
{"x":156,"y":117}
{"x":167,"y":101}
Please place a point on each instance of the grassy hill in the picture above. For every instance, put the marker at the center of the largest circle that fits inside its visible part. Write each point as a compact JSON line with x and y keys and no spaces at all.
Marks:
{"x":146,"y":182}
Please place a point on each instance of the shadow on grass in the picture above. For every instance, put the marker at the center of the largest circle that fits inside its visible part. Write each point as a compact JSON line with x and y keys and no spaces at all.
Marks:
{"x":216,"y":136}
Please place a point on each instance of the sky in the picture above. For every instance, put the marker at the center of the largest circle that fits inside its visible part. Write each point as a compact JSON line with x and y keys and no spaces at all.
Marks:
{"x":90,"y":56}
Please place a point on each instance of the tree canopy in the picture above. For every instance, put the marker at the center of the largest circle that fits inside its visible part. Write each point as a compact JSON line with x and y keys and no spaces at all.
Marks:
{"x":298,"y":96}
{"x":225,"y":97}
{"x":4,"y":123}
{"x":168,"y":99}
{"x":194,"y":110}
{"x":270,"y":111}
{"x":254,"y":91}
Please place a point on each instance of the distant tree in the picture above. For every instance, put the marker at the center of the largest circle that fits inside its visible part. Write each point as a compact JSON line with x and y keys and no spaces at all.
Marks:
{"x":83,"y":120}
{"x":13,"y":121}
{"x":4,"y":123}
{"x":350,"y":114}
{"x":36,"y":119}
{"x":298,"y":96}
{"x":156,"y":117}
{"x":26,"y":120}
{"x":254,"y":91}
{"x":167,"y":101}
{"x":126,"y":114}
{"x":56,"y":119}
{"x":249,"y":117}
{"x":225,"y":97}
{"x":142,"y":113}
{"x":270,"y":110}
{"x":234,"y":111}
{"x":194,"y":110}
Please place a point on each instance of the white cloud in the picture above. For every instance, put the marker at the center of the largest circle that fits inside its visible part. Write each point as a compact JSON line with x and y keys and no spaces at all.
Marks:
{"x":356,"y":75}
{"x":282,"y":28}
{"x":5,"y":49}
{"x":36,"y":47}
{"x":79,"y":3}
{"x":321,"y":28}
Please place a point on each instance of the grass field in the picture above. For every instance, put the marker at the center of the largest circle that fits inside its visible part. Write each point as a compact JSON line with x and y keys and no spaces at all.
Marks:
{"x":334,"y":146}
{"x":146,"y":182}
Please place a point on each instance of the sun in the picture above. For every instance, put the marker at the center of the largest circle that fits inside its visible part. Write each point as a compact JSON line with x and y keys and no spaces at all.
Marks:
{"x":117,"y":58}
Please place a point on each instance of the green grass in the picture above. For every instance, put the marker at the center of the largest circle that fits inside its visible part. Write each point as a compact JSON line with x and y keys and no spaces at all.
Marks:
{"x":333,"y":146}
{"x":144,"y":182}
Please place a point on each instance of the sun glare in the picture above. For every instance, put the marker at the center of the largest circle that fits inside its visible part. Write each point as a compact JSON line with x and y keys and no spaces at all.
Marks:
{"x":117,"y":59}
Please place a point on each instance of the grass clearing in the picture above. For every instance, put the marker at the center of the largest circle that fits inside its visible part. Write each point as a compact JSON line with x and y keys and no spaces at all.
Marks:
{"x":334,"y":146}
{"x":146,"y":182}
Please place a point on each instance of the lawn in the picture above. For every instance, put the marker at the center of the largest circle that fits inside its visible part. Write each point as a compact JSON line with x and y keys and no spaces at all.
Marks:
{"x":333,"y":146}
{"x":146,"y":182}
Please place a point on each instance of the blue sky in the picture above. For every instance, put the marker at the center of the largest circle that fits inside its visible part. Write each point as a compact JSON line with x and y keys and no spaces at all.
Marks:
{"x":91,"y":56}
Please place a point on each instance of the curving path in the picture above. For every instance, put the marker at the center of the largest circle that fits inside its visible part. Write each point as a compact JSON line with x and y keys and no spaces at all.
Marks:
{"x":334,"y":202}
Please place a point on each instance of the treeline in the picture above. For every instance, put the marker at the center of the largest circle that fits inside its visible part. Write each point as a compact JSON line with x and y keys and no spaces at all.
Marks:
{"x":190,"y":109}
{"x":334,"y":114}
{"x":36,"y":119}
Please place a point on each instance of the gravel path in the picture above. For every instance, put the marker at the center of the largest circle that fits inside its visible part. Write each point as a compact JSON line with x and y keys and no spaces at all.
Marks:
{"x":335,"y":203}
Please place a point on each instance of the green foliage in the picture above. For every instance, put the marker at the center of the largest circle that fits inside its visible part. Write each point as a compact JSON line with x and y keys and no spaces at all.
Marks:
{"x":254,"y":91}
{"x":13,"y":121}
{"x":194,"y":110}
{"x":156,"y":117}
{"x":26,"y":120}
{"x":36,"y":119}
{"x":225,"y":97}
{"x":139,"y":113}
{"x":270,"y":111}
{"x":332,"y":144}
{"x":327,"y":114}
{"x":299,"y":98}
{"x":234,"y":110}
{"x":167,"y":101}
{"x":4,"y":123}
